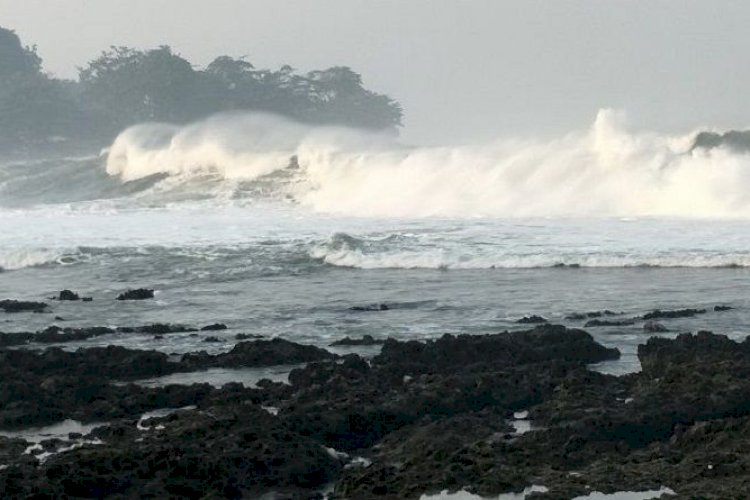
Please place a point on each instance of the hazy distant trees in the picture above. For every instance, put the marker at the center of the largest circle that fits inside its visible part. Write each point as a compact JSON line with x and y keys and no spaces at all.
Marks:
{"x":129,"y":86}
{"x":31,"y":103}
{"x":157,"y":84}
{"x":124,"y":86}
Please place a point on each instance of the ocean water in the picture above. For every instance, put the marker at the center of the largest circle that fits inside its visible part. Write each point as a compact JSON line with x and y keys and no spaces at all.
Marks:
{"x":279,"y":230}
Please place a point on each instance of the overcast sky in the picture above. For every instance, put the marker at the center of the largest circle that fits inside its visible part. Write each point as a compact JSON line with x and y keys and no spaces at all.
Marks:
{"x":464,"y":70}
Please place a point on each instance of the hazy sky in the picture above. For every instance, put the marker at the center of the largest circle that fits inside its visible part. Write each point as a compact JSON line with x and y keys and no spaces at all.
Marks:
{"x":463,"y":70}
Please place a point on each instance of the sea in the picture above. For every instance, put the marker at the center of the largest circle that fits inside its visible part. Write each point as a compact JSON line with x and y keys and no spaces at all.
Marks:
{"x":287,"y":230}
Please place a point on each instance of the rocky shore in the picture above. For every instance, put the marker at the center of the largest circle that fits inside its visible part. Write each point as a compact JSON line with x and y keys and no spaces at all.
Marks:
{"x":489,"y":414}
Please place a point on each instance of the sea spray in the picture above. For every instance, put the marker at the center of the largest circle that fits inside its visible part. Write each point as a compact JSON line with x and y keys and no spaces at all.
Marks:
{"x":604,"y":171}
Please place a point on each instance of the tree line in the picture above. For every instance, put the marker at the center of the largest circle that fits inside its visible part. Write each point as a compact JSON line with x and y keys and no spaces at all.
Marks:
{"x":125,"y":86}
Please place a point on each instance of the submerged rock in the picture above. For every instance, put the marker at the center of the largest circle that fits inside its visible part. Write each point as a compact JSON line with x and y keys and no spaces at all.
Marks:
{"x":591,"y":314}
{"x":371,"y":307}
{"x":606,"y":322}
{"x":677,"y":313}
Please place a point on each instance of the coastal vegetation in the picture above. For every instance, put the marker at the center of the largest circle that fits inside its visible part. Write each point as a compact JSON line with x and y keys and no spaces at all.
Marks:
{"x":125,"y":86}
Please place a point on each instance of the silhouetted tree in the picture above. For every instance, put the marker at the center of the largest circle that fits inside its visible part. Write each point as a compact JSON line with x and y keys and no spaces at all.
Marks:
{"x":130,"y":86}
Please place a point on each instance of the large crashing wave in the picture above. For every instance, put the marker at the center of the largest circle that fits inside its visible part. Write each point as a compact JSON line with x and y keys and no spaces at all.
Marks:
{"x":604,"y":171}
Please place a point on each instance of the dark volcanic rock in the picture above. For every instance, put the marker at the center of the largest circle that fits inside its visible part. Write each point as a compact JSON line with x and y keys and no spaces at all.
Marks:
{"x":55,"y":334}
{"x":531,"y":320}
{"x":677,"y":313}
{"x":137,"y":294}
{"x":231,"y":452}
{"x":678,"y":423}
{"x":351,"y":405}
{"x":365,"y":340}
{"x":14,"y":306}
{"x":591,"y":314}
{"x":260,"y":353}
{"x":430,"y":416}
{"x":722,"y":308}
{"x":606,"y":322}
{"x":214,"y":327}
{"x":543,"y":343}
{"x":156,"y":329}
{"x":67,"y":295}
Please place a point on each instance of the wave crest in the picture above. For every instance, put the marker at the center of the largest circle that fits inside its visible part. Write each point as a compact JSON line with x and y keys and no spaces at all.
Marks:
{"x":605,"y":171}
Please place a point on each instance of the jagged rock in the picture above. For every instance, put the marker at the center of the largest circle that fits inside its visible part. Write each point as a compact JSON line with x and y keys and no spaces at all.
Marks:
{"x":236,"y":452}
{"x":137,"y":294}
{"x":531,"y":320}
{"x":365,"y":340}
{"x":260,"y":353}
{"x":545,"y":342}
{"x":67,"y":295}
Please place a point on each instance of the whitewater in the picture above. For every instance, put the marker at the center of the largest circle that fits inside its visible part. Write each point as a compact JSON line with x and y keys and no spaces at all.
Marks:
{"x":251,"y":219}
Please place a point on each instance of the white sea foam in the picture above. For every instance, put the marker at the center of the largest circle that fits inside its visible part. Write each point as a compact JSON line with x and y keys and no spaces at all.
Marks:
{"x":603,"y":171}
{"x":465,"y":495}
{"x":628,"y":495}
{"x":19,"y":258}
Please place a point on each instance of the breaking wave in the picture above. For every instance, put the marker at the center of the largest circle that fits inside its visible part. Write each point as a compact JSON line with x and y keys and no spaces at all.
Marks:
{"x":14,"y":259}
{"x":398,"y":252}
{"x":604,"y":171}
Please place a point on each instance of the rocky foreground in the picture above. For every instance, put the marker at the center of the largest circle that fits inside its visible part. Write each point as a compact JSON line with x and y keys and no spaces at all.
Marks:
{"x":490,"y":414}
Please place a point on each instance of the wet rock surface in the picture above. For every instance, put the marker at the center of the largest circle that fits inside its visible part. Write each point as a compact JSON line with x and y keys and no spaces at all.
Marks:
{"x":531,"y":320}
{"x":370,"y":308}
{"x":365,"y":340}
{"x":677,"y":313}
{"x":16,"y":306}
{"x":423,"y":416}
{"x":67,"y":295}
{"x":607,"y":322}
{"x":137,"y":294}
{"x":55,"y":334}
